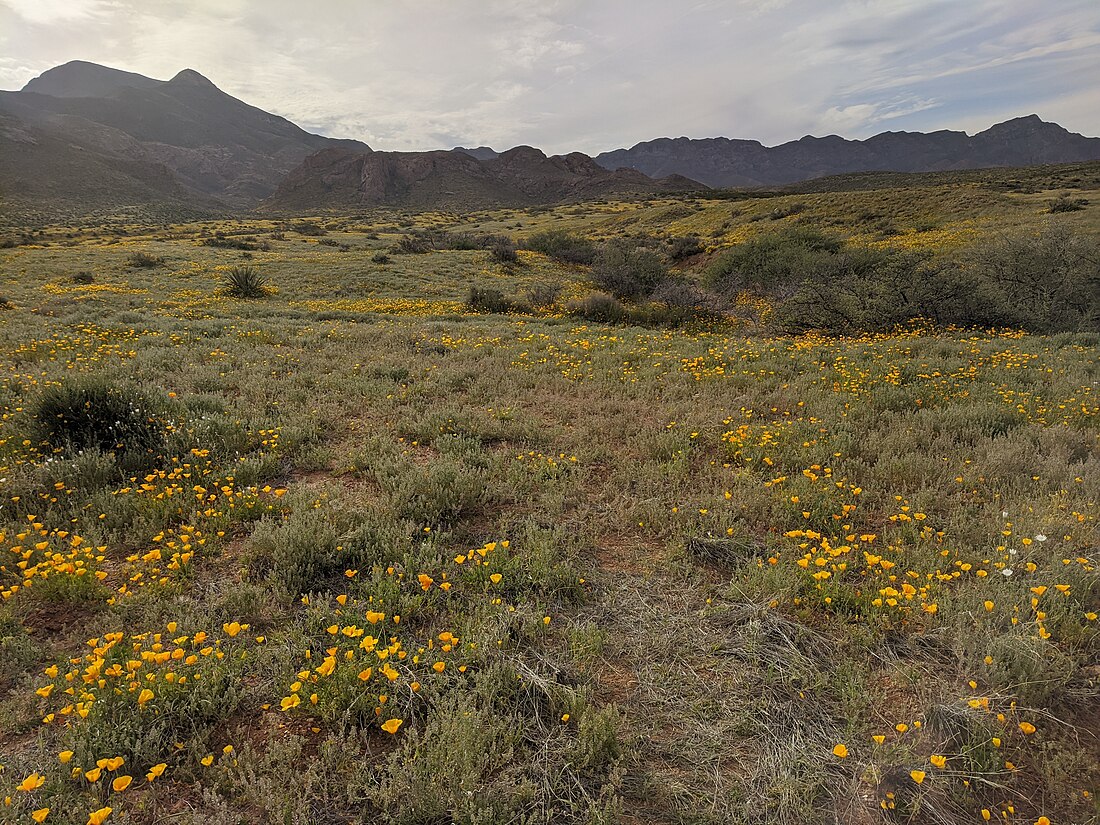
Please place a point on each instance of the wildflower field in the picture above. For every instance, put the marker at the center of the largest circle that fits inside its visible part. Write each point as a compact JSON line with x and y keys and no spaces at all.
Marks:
{"x":353,"y":551}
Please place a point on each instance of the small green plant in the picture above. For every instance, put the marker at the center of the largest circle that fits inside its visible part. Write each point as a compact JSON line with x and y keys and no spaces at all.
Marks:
{"x":143,"y":260}
{"x":599,"y":307}
{"x":503,"y":251}
{"x":486,"y":299}
{"x":245,"y":282}
{"x":681,"y":248}
{"x":86,"y":414}
{"x":380,"y":258}
{"x":1064,"y":203}
{"x":83,"y":278}
{"x":562,"y":246}
{"x":544,"y":294}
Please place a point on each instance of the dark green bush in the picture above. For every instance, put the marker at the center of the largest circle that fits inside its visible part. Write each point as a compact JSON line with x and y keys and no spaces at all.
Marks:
{"x":600,"y":307}
{"x":414,"y":245}
{"x":89,"y":414}
{"x":244,"y":282}
{"x":503,"y":251}
{"x":544,"y":294}
{"x":1064,"y":203}
{"x":486,"y":299}
{"x":83,"y":278}
{"x":627,"y":272}
{"x":1045,"y":283}
{"x":380,"y":258}
{"x":247,"y":243}
{"x":772,"y":262}
{"x":682,"y":248}
{"x":1048,"y":282}
{"x":143,"y":260}
{"x":562,"y":246}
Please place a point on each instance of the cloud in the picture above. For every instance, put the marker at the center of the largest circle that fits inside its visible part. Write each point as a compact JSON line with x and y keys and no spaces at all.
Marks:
{"x":48,"y":12}
{"x":578,"y":75}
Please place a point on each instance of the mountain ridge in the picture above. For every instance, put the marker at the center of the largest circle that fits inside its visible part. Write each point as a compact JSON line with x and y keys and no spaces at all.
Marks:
{"x":88,"y":137}
{"x":521,"y":176}
{"x":216,"y":147}
{"x":733,"y":162}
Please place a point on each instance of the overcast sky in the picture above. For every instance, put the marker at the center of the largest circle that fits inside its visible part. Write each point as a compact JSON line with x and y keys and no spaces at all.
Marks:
{"x":592,"y":75}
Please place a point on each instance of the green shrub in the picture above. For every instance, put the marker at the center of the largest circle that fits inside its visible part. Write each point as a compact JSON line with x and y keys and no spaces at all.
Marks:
{"x":414,"y":245}
{"x":143,"y":260}
{"x":380,"y":258}
{"x":562,"y":246}
{"x":83,"y":278}
{"x":486,"y":299}
{"x":681,"y":248}
{"x":300,"y":553}
{"x":1064,"y":203}
{"x":1044,"y":283}
{"x":627,"y":272}
{"x":599,"y":307}
{"x":544,"y":294}
{"x":89,"y":414}
{"x":439,"y":496}
{"x":18,"y":651}
{"x":770,"y":263}
{"x":503,"y":251}
{"x":245,"y":282}
{"x":248,"y":243}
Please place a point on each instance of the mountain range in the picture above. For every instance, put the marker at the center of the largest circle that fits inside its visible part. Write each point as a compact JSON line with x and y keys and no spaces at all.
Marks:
{"x":83,"y":138}
{"x":725,"y":163}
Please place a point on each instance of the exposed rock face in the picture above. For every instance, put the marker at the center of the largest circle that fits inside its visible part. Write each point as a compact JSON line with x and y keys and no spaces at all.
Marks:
{"x":721,"y":162}
{"x":518,"y":177}
{"x":481,"y":152}
{"x":213,"y":145}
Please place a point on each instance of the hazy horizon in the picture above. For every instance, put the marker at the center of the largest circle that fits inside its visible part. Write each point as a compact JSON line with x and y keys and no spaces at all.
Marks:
{"x":571,"y":76}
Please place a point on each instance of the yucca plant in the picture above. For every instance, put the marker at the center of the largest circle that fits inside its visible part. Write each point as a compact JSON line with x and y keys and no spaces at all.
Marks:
{"x":245,"y":282}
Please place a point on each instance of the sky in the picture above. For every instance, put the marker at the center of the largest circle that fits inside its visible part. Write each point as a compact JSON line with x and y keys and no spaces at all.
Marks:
{"x":593,"y":75}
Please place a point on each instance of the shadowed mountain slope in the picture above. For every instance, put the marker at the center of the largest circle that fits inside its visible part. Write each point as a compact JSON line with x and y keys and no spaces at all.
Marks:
{"x":212,"y":144}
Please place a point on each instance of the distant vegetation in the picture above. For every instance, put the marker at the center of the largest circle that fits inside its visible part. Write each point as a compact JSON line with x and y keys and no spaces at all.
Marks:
{"x":816,"y":281}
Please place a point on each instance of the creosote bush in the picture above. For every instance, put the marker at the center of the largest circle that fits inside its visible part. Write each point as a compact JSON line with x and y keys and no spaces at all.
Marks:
{"x":1064,"y":203}
{"x":626,"y":271}
{"x":503,"y":251}
{"x":143,"y":260}
{"x":87,"y":414}
{"x":562,"y":246}
{"x":487,"y":299}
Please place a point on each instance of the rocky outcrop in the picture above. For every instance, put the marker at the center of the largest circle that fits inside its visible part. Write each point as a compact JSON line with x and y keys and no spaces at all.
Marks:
{"x":521,"y":176}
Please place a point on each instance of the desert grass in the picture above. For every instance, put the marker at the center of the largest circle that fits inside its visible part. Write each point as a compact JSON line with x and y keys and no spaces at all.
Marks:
{"x":390,"y":559}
